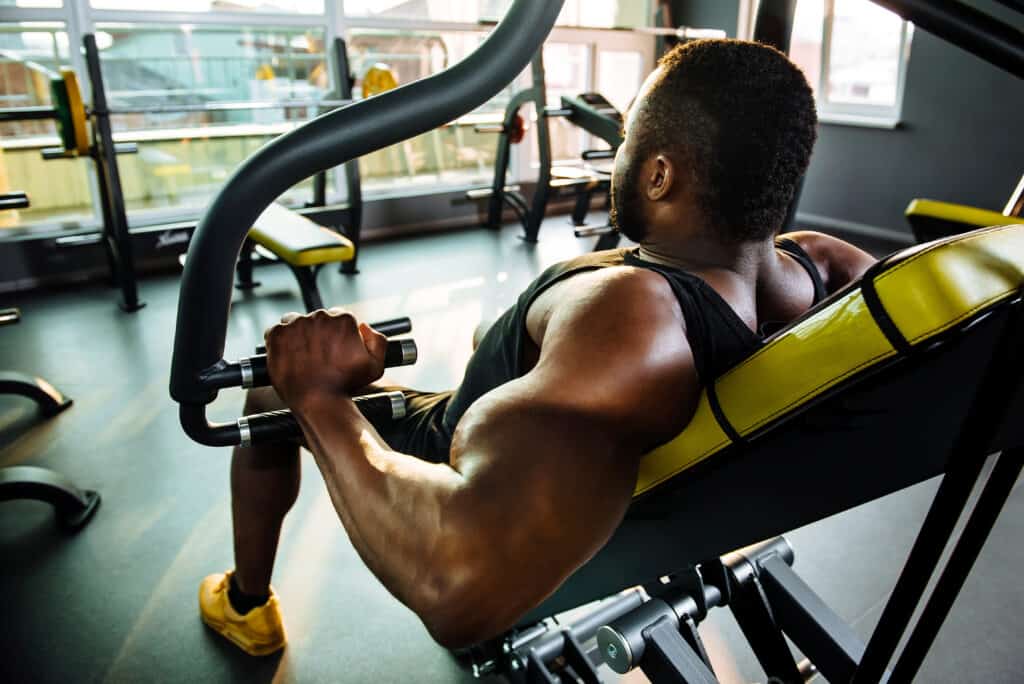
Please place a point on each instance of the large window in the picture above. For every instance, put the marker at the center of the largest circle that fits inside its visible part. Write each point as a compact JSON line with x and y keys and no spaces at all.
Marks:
{"x":60,"y":189}
{"x":453,"y":154}
{"x":213,"y":59}
{"x":260,"y":6}
{"x":583,"y":13}
{"x":855,"y":55}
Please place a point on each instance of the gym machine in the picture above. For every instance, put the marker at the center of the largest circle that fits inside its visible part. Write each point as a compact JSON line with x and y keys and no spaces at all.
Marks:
{"x":762,"y":427}
{"x":932,"y":219}
{"x":86,"y":132}
{"x":591,"y":112}
{"x":74,"y":506}
{"x":72,"y":121}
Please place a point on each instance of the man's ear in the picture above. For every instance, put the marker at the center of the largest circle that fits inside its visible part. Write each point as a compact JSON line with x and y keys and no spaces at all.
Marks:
{"x":660,"y":177}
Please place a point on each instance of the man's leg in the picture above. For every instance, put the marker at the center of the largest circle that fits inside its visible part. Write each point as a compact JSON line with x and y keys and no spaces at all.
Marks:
{"x":264,"y":486}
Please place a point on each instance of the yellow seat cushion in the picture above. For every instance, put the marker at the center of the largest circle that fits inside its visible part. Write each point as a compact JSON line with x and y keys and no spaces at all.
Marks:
{"x":925,"y":291}
{"x":298,"y":240}
{"x":956,"y":213}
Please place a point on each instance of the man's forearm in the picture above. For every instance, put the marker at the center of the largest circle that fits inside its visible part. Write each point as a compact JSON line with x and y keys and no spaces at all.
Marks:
{"x":392,"y":505}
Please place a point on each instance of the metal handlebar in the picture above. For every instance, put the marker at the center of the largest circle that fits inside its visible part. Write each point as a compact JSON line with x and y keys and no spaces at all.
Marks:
{"x":251,"y":371}
{"x":328,"y":141}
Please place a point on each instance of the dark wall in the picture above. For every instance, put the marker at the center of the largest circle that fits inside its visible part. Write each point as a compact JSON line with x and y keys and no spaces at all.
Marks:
{"x":960,"y":138}
{"x":719,"y":14}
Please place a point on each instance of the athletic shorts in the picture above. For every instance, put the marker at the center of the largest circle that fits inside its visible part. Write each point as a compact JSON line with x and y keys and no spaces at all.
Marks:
{"x":421,"y":433}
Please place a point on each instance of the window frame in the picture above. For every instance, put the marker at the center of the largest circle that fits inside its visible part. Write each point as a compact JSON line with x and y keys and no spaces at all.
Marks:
{"x":843,"y":113}
{"x":78,"y":18}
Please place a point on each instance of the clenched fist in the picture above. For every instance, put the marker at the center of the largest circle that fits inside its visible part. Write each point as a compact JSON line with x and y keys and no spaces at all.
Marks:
{"x":324,"y":353}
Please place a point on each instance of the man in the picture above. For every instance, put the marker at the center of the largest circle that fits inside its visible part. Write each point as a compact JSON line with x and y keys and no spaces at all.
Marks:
{"x":527,"y":469}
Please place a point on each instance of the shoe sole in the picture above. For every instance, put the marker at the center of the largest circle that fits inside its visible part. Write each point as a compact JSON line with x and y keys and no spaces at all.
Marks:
{"x":254,"y":649}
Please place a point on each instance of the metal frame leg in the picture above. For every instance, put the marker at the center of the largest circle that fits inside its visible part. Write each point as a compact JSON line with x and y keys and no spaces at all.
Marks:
{"x":986,"y":511}
{"x":74,"y":506}
{"x":51,"y":400}
{"x":582,"y":207}
{"x":668,"y":659}
{"x":244,"y":267}
{"x":826,"y":640}
{"x":306,"y":276}
{"x":759,"y":625}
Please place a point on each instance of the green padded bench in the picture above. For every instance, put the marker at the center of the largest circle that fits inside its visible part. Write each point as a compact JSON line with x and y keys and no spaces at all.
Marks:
{"x":913,"y":372}
{"x":302,"y":244}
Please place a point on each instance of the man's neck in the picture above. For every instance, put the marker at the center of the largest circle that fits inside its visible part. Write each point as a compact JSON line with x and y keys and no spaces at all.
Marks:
{"x":746,"y":259}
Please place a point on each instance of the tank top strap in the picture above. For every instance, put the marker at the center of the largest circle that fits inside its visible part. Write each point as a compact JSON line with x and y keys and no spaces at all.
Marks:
{"x":793,"y":249}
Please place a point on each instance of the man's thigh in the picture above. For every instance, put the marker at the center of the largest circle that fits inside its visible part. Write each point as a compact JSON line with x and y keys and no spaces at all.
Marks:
{"x":421,"y":433}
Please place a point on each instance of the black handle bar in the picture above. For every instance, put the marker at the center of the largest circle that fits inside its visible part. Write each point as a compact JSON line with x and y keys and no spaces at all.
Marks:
{"x":251,"y":371}
{"x":323,"y":143}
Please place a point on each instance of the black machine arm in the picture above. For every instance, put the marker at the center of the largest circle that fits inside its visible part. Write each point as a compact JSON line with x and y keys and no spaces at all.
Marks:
{"x":966,"y":27}
{"x":323,"y":143}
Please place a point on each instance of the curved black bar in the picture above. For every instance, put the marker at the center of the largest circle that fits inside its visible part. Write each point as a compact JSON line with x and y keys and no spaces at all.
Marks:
{"x":75,"y":506}
{"x":325,"y":142}
{"x":979,"y":33}
{"x":277,"y":426}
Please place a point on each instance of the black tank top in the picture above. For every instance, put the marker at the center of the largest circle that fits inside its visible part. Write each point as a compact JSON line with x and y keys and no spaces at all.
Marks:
{"x":718,"y":337}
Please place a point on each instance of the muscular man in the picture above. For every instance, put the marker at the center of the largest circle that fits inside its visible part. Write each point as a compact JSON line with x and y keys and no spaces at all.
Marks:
{"x":528,"y":467}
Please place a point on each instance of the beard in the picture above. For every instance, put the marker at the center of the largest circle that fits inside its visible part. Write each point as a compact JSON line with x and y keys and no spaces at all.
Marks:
{"x":626,"y":214}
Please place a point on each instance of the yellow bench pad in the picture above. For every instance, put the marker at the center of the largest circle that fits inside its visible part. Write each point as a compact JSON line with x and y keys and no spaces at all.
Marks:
{"x":298,"y":240}
{"x":955,"y":213}
{"x":925,"y":291}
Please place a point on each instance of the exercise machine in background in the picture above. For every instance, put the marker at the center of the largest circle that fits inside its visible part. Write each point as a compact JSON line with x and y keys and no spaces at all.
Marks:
{"x":73,"y":124}
{"x":931,"y":219}
{"x":297,"y":241}
{"x":591,"y":112}
{"x":280,"y":234}
{"x":74,"y":506}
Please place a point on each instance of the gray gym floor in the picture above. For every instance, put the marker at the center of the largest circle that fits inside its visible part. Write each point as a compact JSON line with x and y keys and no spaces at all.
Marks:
{"x":116,"y":602}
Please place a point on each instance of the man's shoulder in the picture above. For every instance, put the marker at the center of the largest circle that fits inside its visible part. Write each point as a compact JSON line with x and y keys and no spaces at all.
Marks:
{"x":839,"y":261}
{"x":633,"y":307}
{"x":624,"y":284}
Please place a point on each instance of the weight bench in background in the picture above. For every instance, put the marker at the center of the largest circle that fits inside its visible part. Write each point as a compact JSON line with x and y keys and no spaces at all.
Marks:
{"x":933,"y":220}
{"x":303,"y":245}
{"x":74,"y":506}
{"x":915,"y":371}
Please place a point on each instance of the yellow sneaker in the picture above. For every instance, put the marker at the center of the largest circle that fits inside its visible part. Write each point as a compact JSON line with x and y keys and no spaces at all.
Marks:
{"x":259,"y":632}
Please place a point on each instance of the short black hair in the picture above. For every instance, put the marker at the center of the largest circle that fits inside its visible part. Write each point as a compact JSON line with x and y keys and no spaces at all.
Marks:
{"x":742,"y":117}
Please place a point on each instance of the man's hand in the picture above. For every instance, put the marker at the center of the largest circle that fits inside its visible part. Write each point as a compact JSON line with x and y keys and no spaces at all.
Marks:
{"x":322,"y":354}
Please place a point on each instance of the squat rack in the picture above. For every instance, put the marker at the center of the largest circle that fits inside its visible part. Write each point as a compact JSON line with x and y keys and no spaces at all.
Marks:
{"x":71,"y":115}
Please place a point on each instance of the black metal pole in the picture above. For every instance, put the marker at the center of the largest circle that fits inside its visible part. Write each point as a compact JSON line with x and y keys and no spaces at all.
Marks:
{"x":972,"y":539}
{"x":353,"y":177}
{"x":539,"y":203}
{"x":773,"y":24}
{"x":966,"y":460}
{"x":27,"y":114}
{"x":115,"y":225}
